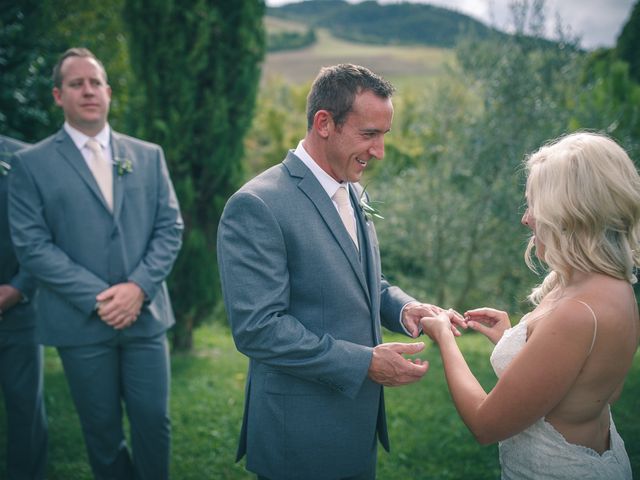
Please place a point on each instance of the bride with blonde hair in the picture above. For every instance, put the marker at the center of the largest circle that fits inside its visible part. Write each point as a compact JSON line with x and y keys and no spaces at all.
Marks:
{"x":563,"y":365}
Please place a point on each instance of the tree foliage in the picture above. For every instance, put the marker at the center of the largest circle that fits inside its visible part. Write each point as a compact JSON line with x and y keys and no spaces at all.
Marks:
{"x":628,"y":45}
{"x":26,"y":57}
{"x":290,"y":40}
{"x":33,"y":34}
{"x":452,"y":181}
{"x":197,"y":62}
{"x":280,"y":122}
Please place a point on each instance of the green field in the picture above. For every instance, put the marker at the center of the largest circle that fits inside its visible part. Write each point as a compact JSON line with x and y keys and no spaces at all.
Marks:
{"x":428,"y":439}
{"x":398,"y":64}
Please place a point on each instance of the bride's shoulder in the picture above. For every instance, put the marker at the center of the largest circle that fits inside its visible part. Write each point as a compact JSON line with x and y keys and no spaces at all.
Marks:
{"x":605,"y":296}
{"x":567,"y":318}
{"x":600,"y":300}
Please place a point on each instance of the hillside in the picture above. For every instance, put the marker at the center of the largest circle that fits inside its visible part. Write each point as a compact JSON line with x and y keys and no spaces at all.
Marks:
{"x":412,"y":63}
{"x":392,"y":24}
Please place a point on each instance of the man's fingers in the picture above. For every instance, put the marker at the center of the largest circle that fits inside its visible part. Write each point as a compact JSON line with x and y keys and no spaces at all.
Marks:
{"x":413,"y":371}
{"x":408,"y":348}
{"x":105,"y":294}
{"x":122,"y":321}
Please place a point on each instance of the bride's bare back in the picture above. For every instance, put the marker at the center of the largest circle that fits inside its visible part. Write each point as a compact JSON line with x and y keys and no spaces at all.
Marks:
{"x":582,"y":414}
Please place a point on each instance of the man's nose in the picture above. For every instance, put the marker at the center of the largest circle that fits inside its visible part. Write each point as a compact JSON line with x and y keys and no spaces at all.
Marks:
{"x":377,"y":149}
{"x":88,"y":89}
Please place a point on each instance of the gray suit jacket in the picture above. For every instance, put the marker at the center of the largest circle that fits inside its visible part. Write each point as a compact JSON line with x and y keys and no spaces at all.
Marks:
{"x":306,"y":308}
{"x":18,"y":323}
{"x":67,"y":238}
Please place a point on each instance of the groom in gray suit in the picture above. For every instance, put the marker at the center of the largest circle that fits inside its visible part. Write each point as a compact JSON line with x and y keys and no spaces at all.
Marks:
{"x":95,"y":219}
{"x":20,"y":355}
{"x":305,"y":295}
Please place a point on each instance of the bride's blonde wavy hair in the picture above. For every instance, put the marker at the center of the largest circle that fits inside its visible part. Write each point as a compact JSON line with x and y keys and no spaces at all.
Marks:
{"x":584,"y":194}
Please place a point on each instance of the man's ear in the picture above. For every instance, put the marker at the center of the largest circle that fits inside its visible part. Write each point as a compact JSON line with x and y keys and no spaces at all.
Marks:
{"x":323,"y":123}
{"x":56,"y":96}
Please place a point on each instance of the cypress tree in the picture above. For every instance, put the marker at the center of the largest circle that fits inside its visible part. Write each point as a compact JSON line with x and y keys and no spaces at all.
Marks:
{"x":628,"y":44}
{"x":198,"y":64}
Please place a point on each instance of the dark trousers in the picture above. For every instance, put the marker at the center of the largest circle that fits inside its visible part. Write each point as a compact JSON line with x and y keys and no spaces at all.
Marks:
{"x":102,"y":377}
{"x":22,"y":387}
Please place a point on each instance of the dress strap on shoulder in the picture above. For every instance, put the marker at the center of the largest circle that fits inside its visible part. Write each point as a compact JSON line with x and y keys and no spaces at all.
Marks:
{"x":595,"y":323}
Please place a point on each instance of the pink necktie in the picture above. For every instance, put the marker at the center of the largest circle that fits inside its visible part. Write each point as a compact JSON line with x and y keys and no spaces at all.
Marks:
{"x":102,"y":171}
{"x":341,"y":197}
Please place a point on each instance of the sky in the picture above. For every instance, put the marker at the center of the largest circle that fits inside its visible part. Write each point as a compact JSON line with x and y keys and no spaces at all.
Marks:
{"x":597,"y":23}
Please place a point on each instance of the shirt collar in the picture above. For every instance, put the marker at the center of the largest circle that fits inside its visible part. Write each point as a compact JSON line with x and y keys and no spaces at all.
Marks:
{"x":80,"y":139}
{"x":329,"y":183}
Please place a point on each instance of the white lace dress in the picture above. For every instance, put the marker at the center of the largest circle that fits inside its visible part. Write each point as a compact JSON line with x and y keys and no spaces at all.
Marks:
{"x":541,"y":452}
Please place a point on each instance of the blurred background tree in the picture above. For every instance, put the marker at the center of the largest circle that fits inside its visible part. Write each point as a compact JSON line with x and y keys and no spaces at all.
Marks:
{"x":452,"y":181}
{"x":628,"y":45}
{"x":197,"y":62}
{"x":33,"y":34}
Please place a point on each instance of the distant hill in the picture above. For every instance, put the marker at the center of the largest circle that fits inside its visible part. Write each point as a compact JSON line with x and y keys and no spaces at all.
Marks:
{"x":393,"y":24}
{"x":397,"y":63}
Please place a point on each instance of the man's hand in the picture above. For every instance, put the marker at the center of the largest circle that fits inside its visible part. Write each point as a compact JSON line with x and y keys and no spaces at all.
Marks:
{"x":413,"y":312}
{"x":119,"y":305}
{"x":389,"y":368}
{"x":9,"y":296}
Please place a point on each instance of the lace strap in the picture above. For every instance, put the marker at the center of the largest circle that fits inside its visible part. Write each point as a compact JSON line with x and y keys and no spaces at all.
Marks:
{"x":595,"y":324}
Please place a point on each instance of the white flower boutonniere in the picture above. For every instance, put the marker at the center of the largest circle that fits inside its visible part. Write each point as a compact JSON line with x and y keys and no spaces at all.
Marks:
{"x":368,"y":208}
{"x":123,"y":165}
{"x":4,"y":168}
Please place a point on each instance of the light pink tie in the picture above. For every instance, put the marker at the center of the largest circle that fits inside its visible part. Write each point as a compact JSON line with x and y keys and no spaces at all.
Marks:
{"x":341,"y":197}
{"x":102,"y":171}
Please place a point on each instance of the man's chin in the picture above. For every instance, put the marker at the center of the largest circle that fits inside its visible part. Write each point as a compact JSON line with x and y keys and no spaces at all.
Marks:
{"x":355,"y":177}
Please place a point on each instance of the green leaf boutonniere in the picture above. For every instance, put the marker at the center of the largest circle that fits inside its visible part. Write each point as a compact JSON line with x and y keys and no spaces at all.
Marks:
{"x":368,"y":207}
{"x":123,"y":165}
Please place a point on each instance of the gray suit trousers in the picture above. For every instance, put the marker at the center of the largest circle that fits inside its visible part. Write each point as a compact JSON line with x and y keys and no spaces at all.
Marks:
{"x":22,"y":386}
{"x":135,"y":371}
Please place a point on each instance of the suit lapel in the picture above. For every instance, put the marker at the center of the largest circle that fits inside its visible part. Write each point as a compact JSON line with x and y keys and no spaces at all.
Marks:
{"x":119,"y":152}
{"x":370,"y":256}
{"x":310,"y":186}
{"x":70,"y":153}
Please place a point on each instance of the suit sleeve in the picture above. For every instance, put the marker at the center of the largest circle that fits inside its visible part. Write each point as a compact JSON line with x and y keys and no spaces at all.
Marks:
{"x":252,"y":259}
{"x":24,"y":283}
{"x":166,"y":238}
{"x":35,"y":249}
{"x":392,"y":302}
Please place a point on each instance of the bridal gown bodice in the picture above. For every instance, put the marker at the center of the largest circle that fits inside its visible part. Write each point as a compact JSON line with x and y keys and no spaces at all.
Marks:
{"x":540,"y":451}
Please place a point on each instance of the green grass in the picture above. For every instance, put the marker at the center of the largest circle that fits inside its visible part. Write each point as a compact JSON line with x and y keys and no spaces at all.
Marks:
{"x":428,"y":439}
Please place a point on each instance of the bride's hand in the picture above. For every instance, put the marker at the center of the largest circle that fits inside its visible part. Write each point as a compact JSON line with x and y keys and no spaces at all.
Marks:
{"x":488,"y":321}
{"x":437,"y":325}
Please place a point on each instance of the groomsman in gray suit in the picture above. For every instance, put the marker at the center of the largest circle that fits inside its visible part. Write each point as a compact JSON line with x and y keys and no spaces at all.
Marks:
{"x":305,"y":296}
{"x":95,"y":219}
{"x":20,"y":355}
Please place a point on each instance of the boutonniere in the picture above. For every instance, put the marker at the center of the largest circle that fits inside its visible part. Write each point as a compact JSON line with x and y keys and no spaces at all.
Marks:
{"x":368,"y":208}
{"x":123,"y":165}
{"x":4,"y":168}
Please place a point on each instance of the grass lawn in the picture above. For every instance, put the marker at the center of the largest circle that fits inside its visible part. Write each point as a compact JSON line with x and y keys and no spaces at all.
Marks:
{"x":428,"y":439}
